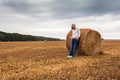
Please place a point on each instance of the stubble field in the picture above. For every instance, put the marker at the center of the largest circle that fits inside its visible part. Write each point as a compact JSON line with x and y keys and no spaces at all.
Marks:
{"x":48,"y":61}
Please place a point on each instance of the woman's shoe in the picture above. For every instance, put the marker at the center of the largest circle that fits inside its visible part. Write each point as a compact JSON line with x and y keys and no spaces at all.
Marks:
{"x":69,"y":56}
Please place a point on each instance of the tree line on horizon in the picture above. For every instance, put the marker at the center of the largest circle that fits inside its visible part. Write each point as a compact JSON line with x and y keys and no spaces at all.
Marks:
{"x":21,"y":37}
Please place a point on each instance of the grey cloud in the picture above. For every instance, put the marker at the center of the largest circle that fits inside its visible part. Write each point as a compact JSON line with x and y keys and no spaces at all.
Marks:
{"x":78,"y":8}
{"x":25,"y":7}
{"x":60,"y":9}
{"x":20,"y":6}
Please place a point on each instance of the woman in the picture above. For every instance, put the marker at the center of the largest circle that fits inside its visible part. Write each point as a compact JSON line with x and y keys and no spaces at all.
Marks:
{"x":75,"y":37}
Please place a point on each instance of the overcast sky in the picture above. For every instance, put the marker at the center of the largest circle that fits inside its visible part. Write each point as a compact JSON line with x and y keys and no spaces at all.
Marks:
{"x":53,"y":18}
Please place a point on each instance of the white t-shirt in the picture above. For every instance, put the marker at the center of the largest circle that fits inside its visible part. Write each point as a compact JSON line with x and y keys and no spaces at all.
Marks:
{"x":75,"y":33}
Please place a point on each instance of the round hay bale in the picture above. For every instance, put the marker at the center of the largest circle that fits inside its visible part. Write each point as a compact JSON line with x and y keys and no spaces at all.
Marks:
{"x":88,"y":43}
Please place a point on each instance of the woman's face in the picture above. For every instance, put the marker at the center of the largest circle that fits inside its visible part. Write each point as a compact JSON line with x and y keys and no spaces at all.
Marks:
{"x":73,"y":26}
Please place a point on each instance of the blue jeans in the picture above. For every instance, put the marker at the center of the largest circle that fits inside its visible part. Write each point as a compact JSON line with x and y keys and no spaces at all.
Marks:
{"x":74,"y":45}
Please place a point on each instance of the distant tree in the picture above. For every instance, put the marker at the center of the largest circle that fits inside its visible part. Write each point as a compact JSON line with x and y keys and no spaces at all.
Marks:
{"x":20,"y":37}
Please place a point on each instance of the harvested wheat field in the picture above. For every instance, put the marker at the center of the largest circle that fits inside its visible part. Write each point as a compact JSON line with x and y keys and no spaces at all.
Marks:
{"x":47,"y":61}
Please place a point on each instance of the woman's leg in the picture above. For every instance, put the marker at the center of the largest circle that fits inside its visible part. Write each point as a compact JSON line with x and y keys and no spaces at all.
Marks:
{"x":74,"y":44}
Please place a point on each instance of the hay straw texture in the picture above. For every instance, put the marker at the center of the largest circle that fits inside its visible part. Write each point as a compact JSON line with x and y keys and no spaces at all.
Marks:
{"x":89,"y":42}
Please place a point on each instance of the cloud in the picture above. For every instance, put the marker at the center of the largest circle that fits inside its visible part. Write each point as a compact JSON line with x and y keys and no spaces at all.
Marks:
{"x":63,"y":8}
{"x":78,"y":8}
{"x":54,"y":17}
{"x":33,"y":9}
